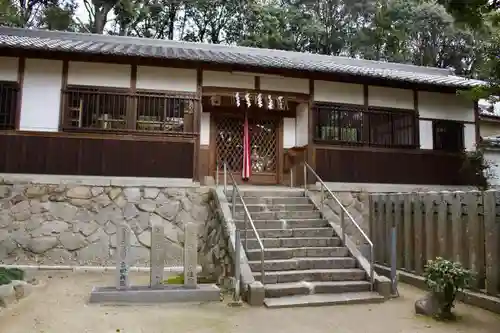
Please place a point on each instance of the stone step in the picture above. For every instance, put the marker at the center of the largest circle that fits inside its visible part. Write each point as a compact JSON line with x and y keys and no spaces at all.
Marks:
{"x":323,"y":299}
{"x":343,"y":274}
{"x":315,"y":287}
{"x":284,"y":193}
{"x":255,"y":208}
{"x":273,"y":200}
{"x":288,"y":233}
{"x":294,"y":242}
{"x":303,"y":263}
{"x":302,"y":252}
{"x":289,"y":215}
{"x":282,"y":224}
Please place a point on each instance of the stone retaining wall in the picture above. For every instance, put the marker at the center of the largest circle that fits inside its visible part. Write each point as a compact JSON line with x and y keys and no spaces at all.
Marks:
{"x":74,"y":224}
{"x":356,"y":204}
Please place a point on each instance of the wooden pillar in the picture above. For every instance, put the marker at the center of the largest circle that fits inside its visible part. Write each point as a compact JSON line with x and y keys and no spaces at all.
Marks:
{"x":311,"y":156}
{"x":132,"y":99}
{"x":196,"y":121}
{"x":398,"y":223}
{"x":429,"y":225}
{"x":20,"y":80}
{"x":492,"y":241}
{"x":457,"y":228}
{"x":389,"y":221}
{"x":64,"y":86}
{"x":475,"y":237}
{"x":418,"y":221}
{"x":380,"y":228}
{"x":408,"y":233}
{"x":442,"y":225}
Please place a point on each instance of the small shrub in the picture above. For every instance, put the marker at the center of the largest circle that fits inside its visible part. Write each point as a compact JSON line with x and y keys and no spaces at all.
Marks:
{"x":179,"y":279}
{"x":445,"y":278}
{"x":477,"y":169}
{"x":9,"y":274}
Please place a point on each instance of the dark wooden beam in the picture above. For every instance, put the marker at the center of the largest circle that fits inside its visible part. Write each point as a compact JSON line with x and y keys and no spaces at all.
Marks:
{"x":132,"y":102}
{"x":64,"y":86}
{"x":20,"y":80}
{"x":197,"y":125}
{"x":476,"y":122}
{"x":417,"y":117}
{"x":311,"y":158}
{"x":257,"y":82}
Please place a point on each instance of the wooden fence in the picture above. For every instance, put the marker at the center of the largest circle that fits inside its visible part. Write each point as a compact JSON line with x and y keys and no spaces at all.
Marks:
{"x":460,"y":226}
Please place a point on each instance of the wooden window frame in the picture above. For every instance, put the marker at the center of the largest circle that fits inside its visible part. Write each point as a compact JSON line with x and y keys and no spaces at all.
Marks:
{"x":438,"y":146}
{"x":364,"y":134}
{"x":14,"y":86}
{"x":131,"y":115}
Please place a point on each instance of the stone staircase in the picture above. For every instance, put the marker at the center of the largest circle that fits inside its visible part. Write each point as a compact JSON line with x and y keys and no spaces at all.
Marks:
{"x":305,"y":262}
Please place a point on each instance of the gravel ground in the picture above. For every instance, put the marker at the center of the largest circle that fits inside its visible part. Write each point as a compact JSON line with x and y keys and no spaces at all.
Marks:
{"x":60,"y":307}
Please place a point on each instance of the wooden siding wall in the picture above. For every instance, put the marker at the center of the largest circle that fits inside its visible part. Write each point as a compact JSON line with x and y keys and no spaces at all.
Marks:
{"x":68,"y":154}
{"x":356,"y":165}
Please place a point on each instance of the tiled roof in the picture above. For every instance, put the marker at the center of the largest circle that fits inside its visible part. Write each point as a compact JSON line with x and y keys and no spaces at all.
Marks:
{"x":222,"y":54}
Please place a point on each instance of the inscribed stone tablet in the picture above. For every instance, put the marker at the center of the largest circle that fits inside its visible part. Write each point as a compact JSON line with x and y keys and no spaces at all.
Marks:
{"x":190,"y":255}
{"x":157,"y":255}
{"x":122,"y":260}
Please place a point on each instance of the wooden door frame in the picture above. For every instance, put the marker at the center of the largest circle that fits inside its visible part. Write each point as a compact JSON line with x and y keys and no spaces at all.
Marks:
{"x":213,"y":145}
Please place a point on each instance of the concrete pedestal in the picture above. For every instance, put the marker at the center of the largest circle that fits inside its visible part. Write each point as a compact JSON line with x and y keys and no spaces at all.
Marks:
{"x":160,"y":294}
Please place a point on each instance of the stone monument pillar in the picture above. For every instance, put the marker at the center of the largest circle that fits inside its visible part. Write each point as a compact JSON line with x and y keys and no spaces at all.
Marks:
{"x":157,"y":255}
{"x":190,"y":255}
{"x":122,"y":256}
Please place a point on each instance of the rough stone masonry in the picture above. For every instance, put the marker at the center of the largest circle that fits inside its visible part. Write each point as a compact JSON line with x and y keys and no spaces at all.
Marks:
{"x":77,"y":225}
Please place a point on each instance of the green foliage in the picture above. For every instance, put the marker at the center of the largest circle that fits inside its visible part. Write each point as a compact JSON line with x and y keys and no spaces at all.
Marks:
{"x":179,"y":279}
{"x":477,"y":169}
{"x":9,"y":274}
{"x":445,"y":278}
{"x":462,"y":35}
{"x":175,"y":279}
{"x":46,"y":14}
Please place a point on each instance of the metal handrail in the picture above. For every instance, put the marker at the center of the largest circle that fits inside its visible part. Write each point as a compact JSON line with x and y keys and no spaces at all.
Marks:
{"x":236,"y":190}
{"x":343,"y":213}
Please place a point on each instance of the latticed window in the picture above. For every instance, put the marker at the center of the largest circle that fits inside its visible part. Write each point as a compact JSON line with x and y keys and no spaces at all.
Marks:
{"x":8,"y":105}
{"x":117,"y":109}
{"x":157,"y":112}
{"x":353,"y":124}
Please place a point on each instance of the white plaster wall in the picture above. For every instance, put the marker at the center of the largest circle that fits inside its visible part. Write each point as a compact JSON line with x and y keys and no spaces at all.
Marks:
{"x":41,"y":99}
{"x":493,"y":157}
{"x":390,"y":97}
{"x":445,"y":106}
{"x":284,"y":84}
{"x":228,"y":80}
{"x":470,"y":137}
{"x":8,"y":69}
{"x":426,"y":137}
{"x":288,"y":132}
{"x":99,"y":74}
{"x":302,"y":125}
{"x":337,"y":92}
{"x":205,"y":129}
{"x":163,"y":78}
{"x":489,"y":129}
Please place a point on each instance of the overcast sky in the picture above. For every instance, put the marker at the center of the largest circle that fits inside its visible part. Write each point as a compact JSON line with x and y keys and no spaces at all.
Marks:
{"x":82,"y":14}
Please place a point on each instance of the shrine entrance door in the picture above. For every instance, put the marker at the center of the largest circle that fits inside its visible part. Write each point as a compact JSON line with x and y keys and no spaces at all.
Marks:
{"x":264,"y":143}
